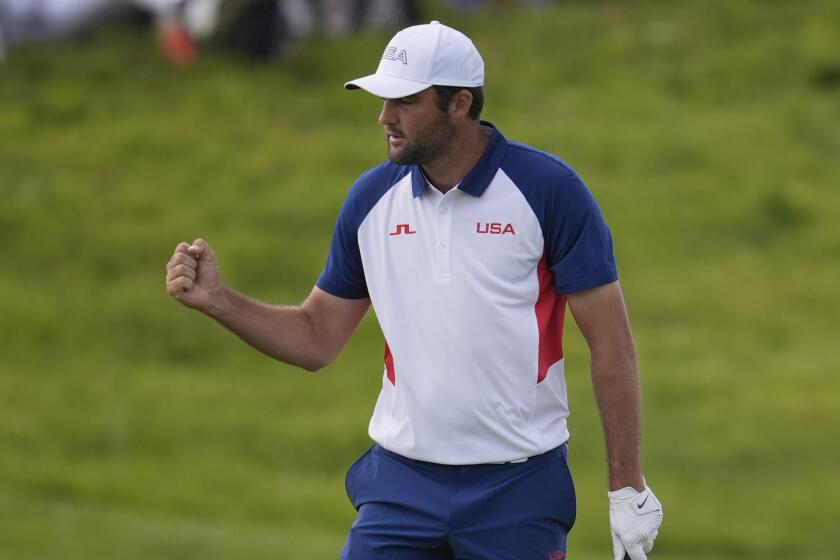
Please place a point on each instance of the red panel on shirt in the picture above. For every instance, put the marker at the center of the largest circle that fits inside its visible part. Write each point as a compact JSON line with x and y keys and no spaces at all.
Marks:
{"x":389,"y":365}
{"x":551,"y":311}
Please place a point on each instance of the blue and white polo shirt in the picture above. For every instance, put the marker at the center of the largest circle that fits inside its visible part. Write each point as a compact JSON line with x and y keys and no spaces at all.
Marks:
{"x":468,"y":288}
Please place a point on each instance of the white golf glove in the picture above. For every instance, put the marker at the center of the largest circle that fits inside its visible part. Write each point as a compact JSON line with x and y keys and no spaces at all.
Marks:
{"x":634,"y":519}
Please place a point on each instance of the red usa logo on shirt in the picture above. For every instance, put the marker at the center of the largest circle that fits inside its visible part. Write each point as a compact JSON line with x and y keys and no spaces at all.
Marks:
{"x":494,"y":228}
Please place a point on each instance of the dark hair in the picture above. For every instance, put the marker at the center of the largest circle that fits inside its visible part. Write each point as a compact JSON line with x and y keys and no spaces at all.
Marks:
{"x":445,"y":94}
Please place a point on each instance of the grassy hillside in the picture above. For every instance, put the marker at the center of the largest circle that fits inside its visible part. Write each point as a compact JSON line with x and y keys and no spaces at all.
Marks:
{"x":133,"y":428}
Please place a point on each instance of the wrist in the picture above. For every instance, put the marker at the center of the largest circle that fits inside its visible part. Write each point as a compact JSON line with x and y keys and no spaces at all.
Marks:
{"x":636,"y":482}
{"x":219,"y":303}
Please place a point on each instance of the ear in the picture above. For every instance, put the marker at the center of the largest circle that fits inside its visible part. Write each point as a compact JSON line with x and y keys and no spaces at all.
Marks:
{"x":459,"y":107}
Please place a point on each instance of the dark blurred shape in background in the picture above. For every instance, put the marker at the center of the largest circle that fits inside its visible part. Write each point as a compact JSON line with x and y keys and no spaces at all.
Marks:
{"x":268,"y":29}
{"x":470,"y":5}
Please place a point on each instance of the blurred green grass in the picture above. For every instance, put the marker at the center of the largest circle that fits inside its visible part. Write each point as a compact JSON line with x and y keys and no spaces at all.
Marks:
{"x":132,"y":428}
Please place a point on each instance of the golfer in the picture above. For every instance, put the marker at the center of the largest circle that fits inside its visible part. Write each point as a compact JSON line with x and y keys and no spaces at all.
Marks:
{"x":469,"y":246}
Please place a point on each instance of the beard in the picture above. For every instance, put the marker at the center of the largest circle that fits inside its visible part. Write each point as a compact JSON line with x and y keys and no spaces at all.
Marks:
{"x":429,"y":145}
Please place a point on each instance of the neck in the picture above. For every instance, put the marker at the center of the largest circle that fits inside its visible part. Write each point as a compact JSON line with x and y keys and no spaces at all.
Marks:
{"x":466,"y":149}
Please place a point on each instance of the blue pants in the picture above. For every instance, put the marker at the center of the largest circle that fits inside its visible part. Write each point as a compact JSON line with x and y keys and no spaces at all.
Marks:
{"x":413,"y":510}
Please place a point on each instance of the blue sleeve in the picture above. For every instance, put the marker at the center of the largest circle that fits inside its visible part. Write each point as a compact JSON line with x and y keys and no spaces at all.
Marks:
{"x":578,"y":243}
{"x":344,"y":274}
{"x":579,"y":246}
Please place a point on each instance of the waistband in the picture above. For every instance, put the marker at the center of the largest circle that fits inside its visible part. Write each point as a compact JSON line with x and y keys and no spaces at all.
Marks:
{"x":561,"y":450}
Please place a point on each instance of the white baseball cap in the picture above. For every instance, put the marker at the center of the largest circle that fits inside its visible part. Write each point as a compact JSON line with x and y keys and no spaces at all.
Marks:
{"x":420,"y":56}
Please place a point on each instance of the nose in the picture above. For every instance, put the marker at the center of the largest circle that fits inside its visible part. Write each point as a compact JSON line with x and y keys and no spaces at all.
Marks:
{"x":389,"y":113}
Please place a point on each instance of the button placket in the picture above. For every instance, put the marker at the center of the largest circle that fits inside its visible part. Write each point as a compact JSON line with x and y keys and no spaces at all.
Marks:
{"x":443,"y":238}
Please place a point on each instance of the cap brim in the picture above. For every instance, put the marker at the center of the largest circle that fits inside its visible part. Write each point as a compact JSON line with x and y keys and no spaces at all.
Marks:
{"x":389,"y":87}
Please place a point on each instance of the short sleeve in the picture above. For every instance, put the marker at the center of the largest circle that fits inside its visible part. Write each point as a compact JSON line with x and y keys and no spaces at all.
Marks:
{"x":344,"y":275}
{"x":579,"y":247}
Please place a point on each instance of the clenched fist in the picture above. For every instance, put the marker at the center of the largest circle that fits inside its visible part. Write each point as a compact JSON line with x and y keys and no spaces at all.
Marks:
{"x":192,"y":276}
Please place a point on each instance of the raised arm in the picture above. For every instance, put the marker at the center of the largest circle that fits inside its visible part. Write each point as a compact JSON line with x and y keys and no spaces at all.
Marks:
{"x":309,"y":336}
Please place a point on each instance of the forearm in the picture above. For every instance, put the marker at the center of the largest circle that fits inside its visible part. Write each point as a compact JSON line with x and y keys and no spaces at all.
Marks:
{"x":286,"y":333}
{"x":309,"y":336}
{"x":616,"y":384}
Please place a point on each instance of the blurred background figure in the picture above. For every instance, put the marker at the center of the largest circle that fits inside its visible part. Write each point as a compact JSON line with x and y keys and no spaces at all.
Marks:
{"x":267,"y":29}
{"x":26,"y":21}
{"x":340,"y":17}
{"x":468,"y":5}
{"x":260,"y":30}
{"x":256,"y":29}
{"x":175,"y":37}
{"x":2,"y":42}
{"x":32,"y":21}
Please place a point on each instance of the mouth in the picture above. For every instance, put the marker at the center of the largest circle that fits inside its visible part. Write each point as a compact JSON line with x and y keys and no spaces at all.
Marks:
{"x":395,"y":140}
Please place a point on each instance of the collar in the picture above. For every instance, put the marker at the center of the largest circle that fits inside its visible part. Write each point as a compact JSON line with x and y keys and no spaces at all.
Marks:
{"x":479,"y":177}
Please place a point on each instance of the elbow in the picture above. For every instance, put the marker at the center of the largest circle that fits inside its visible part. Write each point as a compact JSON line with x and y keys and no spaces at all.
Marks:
{"x":313,"y":366}
{"x":308,"y":363}
{"x":317,"y":362}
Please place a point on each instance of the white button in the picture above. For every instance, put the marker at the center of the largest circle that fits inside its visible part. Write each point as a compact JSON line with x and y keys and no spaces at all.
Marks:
{"x":444,"y":209}
{"x":435,"y":22}
{"x":443,"y":244}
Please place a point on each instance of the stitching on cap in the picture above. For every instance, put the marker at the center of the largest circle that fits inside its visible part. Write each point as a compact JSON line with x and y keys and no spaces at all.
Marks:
{"x":434,"y":53}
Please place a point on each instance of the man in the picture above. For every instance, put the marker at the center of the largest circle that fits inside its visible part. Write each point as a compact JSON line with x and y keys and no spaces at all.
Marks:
{"x":468,"y":246}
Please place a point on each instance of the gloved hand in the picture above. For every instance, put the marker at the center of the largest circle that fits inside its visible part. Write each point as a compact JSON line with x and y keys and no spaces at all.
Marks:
{"x":634,"y":519}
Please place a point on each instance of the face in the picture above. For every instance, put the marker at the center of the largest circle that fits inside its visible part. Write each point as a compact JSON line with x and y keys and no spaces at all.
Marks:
{"x":416,"y":130}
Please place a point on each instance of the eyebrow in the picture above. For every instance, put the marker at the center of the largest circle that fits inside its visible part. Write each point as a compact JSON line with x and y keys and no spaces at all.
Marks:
{"x":411,"y":97}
